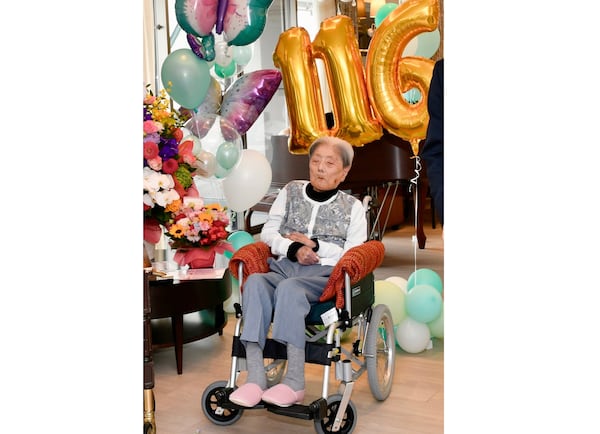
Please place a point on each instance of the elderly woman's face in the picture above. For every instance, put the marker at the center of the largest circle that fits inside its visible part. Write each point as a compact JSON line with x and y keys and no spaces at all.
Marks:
{"x":326,"y":168}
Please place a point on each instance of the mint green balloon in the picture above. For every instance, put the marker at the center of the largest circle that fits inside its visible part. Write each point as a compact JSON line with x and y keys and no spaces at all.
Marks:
{"x":185,"y":77}
{"x":428,"y":43}
{"x":228,"y":154}
{"x":225,"y":71}
{"x":424,"y":276}
{"x":383,"y":12}
{"x":239,"y":239}
{"x":242,"y":54}
{"x":423,"y":303}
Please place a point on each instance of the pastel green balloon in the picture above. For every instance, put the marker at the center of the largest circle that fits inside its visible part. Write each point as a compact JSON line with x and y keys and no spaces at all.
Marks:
{"x":436,"y":327}
{"x":425,"y":276}
{"x":228,"y":154}
{"x":383,"y":12}
{"x":239,"y":239}
{"x":423,"y":303}
{"x":186,"y":77}
{"x":225,"y":71}
{"x":242,"y":54}
{"x":428,"y":43}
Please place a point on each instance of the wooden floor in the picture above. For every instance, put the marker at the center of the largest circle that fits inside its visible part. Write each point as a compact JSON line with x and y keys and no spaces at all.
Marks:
{"x":415,"y":405}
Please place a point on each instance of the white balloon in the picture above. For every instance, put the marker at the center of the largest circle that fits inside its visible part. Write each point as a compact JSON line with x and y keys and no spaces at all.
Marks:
{"x":248,"y":182}
{"x":412,"y":336}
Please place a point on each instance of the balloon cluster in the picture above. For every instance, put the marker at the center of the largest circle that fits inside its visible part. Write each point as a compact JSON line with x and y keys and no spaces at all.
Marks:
{"x":364,"y":99}
{"x":219,"y":33}
{"x":417,"y":308}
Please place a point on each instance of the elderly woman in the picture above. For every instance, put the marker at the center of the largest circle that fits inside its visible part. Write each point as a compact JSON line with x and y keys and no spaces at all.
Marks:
{"x":310,"y":226}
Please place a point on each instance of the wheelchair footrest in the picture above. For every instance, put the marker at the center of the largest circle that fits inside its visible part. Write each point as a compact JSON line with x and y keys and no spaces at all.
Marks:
{"x":315,"y":410}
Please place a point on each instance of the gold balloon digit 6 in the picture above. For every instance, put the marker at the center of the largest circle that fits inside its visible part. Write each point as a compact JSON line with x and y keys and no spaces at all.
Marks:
{"x":389,"y":75}
{"x":337,"y":46}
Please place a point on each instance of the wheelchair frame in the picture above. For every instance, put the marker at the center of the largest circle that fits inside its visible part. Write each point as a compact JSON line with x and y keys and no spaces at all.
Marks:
{"x":373,"y":351}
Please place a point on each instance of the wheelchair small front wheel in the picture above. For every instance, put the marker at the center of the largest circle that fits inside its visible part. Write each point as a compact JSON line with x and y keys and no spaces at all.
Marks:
{"x":214,"y":413}
{"x":349,"y":418}
{"x":274,"y":369}
{"x":380,"y":352}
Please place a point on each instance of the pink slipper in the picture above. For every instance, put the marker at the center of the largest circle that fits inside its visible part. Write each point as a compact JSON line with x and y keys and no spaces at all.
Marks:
{"x":247,"y":395}
{"x":283,"y":395}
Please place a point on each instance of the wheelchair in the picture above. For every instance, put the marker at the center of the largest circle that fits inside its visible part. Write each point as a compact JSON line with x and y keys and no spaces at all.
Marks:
{"x":372,"y":350}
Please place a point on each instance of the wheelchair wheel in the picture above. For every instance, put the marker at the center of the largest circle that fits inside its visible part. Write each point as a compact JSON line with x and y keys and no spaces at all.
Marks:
{"x":348,"y":424}
{"x":380,"y":352}
{"x":274,"y":368}
{"x":218,"y":416}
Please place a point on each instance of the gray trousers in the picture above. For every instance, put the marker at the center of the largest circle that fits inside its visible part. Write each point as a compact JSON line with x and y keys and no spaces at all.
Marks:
{"x":284,"y":295}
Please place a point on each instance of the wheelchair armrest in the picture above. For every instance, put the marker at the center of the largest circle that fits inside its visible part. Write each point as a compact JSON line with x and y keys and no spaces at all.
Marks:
{"x":357,"y":262}
{"x":253,"y":258}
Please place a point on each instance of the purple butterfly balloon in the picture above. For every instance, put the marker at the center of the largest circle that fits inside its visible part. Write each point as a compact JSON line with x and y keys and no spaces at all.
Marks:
{"x":248,"y":96}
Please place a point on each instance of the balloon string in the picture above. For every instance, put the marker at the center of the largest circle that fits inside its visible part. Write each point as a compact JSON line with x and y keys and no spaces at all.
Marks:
{"x":414,"y":183}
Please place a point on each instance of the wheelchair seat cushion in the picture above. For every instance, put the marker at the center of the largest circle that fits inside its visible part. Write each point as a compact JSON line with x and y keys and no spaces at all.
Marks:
{"x":316,"y":310}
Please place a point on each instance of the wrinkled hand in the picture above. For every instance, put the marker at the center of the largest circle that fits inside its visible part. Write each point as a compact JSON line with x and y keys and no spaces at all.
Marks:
{"x":306,"y":256}
{"x":301,"y":238}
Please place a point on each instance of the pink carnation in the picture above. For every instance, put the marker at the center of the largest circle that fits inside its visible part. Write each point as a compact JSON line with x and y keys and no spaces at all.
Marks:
{"x":155,"y":164}
{"x":152,"y":127}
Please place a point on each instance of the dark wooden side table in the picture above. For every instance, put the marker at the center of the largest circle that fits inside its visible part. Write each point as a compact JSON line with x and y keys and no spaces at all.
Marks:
{"x":184,"y":311}
{"x":149,"y":421}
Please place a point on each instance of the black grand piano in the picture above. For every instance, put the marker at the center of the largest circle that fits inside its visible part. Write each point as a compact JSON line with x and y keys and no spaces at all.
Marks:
{"x":382,"y":170}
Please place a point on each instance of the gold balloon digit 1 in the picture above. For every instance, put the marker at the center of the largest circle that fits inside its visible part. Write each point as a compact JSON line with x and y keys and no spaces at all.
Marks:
{"x":389,"y":75}
{"x":337,"y":46}
{"x":293,"y":56}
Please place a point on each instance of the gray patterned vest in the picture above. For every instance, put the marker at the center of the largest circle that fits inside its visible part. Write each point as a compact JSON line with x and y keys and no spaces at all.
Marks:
{"x":332,"y":220}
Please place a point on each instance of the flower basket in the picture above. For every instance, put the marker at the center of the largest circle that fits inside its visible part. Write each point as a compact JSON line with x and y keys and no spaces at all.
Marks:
{"x":195,"y":257}
{"x":200,"y":257}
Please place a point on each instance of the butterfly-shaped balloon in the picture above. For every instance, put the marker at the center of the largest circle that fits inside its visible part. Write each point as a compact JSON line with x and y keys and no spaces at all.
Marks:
{"x":241,"y":21}
{"x":244,"y":100}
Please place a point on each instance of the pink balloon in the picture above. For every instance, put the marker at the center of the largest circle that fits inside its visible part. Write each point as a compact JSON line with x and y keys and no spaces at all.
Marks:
{"x":196,"y":16}
{"x":234,"y":20}
{"x":248,"y":96}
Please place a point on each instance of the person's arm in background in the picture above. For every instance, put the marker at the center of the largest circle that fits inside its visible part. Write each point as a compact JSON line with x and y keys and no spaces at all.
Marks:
{"x":433,"y":147}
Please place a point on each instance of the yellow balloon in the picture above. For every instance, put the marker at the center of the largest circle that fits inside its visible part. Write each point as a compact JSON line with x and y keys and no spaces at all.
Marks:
{"x":336,"y":45}
{"x":389,"y":75}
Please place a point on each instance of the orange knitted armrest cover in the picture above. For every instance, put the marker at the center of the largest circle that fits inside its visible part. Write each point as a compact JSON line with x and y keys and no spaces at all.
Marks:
{"x":357,"y":262}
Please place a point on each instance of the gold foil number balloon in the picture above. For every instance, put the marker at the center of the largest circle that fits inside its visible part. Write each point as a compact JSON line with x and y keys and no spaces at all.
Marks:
{"x":337,"y":46}
{"x":389,"y":75}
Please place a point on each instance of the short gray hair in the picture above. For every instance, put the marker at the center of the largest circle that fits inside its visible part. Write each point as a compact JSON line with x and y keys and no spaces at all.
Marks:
{"x":344,"y":148}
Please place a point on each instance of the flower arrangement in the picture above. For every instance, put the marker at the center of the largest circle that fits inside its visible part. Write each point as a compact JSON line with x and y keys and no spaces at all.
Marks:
{"x":196,"y":224}
{"x":170,"y":195}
